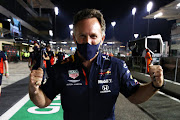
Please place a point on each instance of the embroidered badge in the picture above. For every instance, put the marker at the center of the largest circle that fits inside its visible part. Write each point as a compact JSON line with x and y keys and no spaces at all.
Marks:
{"x":73,"y":73}
{"x":105,"y":71}
{"x":105,"y":89}
{"x":125,"y":66}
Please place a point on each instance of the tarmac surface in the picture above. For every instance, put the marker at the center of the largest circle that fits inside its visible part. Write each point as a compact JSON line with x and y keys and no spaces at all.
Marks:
{"x":159,"y":107}
{"x":17,"y":71}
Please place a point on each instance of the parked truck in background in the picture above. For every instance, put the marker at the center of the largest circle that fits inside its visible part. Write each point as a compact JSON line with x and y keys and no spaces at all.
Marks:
{"x":154,"y":43}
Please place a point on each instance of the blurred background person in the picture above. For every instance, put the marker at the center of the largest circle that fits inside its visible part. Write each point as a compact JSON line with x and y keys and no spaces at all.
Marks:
{"x":34,"y":55}
{"x":148,"y":59}
{"x":3,"y":63}
{"x":60,"y":55}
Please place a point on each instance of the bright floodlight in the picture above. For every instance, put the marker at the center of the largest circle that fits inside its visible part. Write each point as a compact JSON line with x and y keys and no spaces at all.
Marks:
{"x":63,"y":42}
{"x":56,"y":10}
{"x":178,"y":6}
{"x":113,"y":23}
{"x":136,"y":35}
{"x":9,"y":20}
{"x":149,"y":6}
{"x":134,"y":11}
{"x":158,"y":15}
{"x":71,"y":32}
{"x":71,"y":26}
{"x":52,"y":42}
{"x":51,"y":33}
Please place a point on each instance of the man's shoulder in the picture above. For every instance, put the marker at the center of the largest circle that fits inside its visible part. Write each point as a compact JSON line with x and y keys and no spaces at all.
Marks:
{"x":64,"y":65}
{"x":116,"y":60}
{"x":2,"y":53}
{"x":66,"y":61}
{"x":112,"y":59}
{"x":60,"y":53}
{"x":52,"y":52}
{"x":107,"y":60}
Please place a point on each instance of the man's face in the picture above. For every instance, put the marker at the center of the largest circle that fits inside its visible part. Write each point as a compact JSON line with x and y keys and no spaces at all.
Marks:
{"x":36,"y":45}
{"x":48,"y":48}
{"x":88,"y":31}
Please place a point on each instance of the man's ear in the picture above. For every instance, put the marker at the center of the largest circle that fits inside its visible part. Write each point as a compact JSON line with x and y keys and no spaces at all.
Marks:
{"x":103,"y":38}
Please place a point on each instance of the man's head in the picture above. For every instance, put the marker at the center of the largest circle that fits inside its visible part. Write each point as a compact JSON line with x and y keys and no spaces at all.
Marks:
{"x":89,"y":32}
{"x":90,"y":13}
{"x":147,"y":50}
{"x":48,"y":47}
{"x":36,"y":46}
{"x":61,"y":50}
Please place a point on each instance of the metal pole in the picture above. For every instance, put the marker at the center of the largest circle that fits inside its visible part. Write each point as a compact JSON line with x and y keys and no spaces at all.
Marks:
{"x":133,"y":28}
{"x":55,"y":27}
{"x":32,"y":4}
{"x":148,"y":26}
{"x":175,"y":76}
{"x":113,"y":40}
{"x":146,"y":66}
{"x":40,"y":11}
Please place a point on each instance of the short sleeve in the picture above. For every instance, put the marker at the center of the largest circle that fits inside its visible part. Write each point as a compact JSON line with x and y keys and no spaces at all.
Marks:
{"x":128,"y":85}
{"x":4,"y":56}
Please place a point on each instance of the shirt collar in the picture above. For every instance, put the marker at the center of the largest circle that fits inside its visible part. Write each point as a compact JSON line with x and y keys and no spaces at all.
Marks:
{"x":78,"y":61}
{"x":99,"y":58}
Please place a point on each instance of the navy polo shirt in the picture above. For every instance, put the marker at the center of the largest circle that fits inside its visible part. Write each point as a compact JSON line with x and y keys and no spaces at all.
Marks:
{"x":89,"y":94}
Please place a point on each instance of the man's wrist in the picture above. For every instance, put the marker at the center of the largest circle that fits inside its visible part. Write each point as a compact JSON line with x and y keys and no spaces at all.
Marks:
{"x":158,"y":87}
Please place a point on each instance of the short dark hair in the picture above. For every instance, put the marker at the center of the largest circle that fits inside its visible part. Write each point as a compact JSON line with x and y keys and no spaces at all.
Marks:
{"x":48,"y":46}
{"x":90,"y":13}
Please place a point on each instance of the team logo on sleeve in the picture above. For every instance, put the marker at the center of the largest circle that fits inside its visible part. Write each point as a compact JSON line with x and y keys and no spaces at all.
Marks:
{"x":73,"y":73}
{"x":136,"y":82}
{"x":125,"y":66}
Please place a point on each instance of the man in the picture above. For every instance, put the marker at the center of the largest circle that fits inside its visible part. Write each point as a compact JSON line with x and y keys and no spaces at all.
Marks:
{"x":34,"y":56}
{"x":49,"y":60}
{"x":148,"y":60}
{"x":3,"y":61}
{"x":89,"y":83}
{"x":60,"y":55}
{"x":143,"y":61}
{"x":50,"y":54}
{"x":38,"y":58}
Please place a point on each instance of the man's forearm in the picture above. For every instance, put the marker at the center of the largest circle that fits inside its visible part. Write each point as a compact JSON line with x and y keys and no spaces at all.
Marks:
{"x":144,"y":92}
{"x":39,"y":98}
{"x":6,"y":66}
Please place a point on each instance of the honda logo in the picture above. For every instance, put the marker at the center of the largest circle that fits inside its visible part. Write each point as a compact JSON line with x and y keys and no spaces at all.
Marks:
{"x":105,"y":87}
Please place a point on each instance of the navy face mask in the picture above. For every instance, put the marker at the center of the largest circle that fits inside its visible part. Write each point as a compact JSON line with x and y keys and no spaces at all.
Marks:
{"x":87,"y":51}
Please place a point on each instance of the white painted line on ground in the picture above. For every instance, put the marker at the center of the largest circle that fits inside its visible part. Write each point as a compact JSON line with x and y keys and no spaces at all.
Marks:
{"x":173,"y":98}
{"x":170,"y":81}
{"x":8,"y":114}
{"x":176,"y":83}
